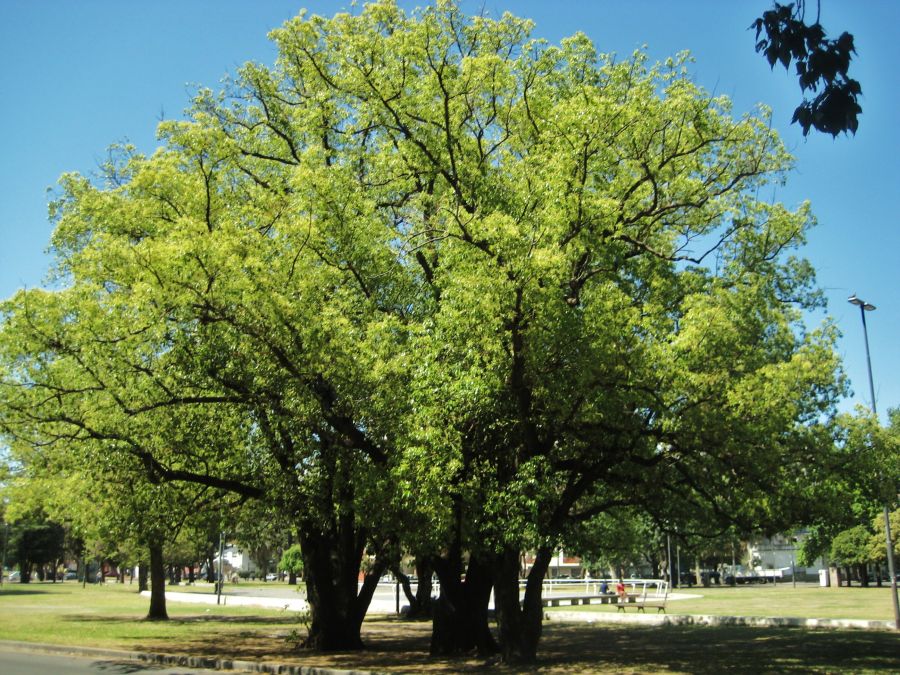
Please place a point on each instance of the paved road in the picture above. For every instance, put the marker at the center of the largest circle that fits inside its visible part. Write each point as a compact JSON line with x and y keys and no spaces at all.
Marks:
{"x":271,"y":595}
{"x":32,"y":663}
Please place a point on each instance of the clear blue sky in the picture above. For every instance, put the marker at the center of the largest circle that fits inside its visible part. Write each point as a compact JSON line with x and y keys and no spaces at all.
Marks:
{"x":78,"y":75}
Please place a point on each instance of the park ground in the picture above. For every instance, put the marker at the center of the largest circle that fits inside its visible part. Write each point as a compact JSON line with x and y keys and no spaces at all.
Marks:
{"x":111,"y":616}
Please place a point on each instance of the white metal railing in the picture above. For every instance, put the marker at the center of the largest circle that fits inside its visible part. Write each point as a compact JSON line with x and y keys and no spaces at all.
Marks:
{"x":588,"y":586}
{"x":595,"y":586}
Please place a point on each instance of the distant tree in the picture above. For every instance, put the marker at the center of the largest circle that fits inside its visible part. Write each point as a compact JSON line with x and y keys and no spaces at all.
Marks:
{"x":614,"y":542}
{"x":291,"y":560}
{"x":877,"y":543}
{"x":822,"y":66}
{"x":850,"y":548}
{"x":860,"y":475}
{"x":35,"y":543}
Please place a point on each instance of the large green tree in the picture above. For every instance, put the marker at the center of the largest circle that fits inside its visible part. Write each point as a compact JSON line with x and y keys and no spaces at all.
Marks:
{"x":428,"y":281}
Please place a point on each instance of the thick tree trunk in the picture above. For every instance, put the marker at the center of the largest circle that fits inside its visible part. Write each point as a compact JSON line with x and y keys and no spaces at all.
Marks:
{"x":331,"y":564}
{"x":520,"y":622}
{"x":460,"y":623}
{"x":157,"y":583}
{"x":424,"y":570}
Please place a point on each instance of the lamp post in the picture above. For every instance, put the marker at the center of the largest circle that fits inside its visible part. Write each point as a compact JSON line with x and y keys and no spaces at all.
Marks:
{"x":5,"y":538}
{"x":863,"y":308}
{"x":5,"y":545}
{"x":793,"y":565}
{"x":219,"y":579}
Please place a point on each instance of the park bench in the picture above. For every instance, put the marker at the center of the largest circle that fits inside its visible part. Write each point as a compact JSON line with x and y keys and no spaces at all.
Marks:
{"x":637,"y":591}
{"x":655,"y":599}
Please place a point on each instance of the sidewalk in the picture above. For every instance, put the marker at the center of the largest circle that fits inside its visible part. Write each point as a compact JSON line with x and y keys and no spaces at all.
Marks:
{"x":382,"y":606}
{"x":660,"y":619}
{"x":182,"y":661}
{"x":294,"y":604}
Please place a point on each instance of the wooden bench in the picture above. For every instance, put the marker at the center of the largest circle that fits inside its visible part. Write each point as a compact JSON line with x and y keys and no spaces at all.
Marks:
{"x":656,"y":599}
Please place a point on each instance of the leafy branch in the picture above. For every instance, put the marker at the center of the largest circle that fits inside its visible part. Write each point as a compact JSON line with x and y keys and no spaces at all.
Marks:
{"x":821,"y":63}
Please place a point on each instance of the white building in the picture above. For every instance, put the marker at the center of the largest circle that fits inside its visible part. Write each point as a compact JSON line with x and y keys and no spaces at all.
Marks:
{"x":236,"y":560}
{"x":780,"y":553}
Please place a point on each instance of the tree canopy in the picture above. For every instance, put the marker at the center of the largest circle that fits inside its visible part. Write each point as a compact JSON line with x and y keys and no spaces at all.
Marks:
{"x":429,"y":282}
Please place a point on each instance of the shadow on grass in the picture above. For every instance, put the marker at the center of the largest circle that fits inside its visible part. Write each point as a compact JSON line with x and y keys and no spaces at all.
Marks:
{"x":722,"y":649}
{"x":184,"y":620}
{"x":402,"y":647}
{"x":26,"y":589}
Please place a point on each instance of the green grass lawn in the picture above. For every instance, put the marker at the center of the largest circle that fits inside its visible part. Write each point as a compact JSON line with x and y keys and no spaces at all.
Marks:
{"x":112,"y":616}
{"x":805,"y":601}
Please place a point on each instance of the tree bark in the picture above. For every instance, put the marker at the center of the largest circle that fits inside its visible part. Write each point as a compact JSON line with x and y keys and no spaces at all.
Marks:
{"x":157,"y":583}
{"x":331,"y":562}
{"x":424,"y":571}
{"x":460,"y":623}
{"x":520,"y":622}
{"x":420,"y":604}
{"x":142,"y":576}
{"x":210,"y":569}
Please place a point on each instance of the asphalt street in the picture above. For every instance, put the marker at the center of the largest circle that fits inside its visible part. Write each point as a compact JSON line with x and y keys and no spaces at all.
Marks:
{"x":33,"y":663}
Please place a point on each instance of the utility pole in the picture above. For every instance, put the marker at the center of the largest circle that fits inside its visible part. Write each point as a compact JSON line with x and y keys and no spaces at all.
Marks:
{"x":863,"y":308}
{"x":219,"y":579}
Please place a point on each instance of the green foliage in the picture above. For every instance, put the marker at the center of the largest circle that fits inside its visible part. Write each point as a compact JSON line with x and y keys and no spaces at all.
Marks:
{"x":860,"y":476}
{"x":429,"y":280}
{"x":877,"y":547}
{"x":613,"y":541}
{"x":33,"y":543}
{"x":851,"y":547}
{"x":820,"y":63}
{"x":291,"y":560}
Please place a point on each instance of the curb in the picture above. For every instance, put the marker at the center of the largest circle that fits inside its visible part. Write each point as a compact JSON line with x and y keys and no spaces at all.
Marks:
{"x":183,"y":660}
{"x":712,"y":620}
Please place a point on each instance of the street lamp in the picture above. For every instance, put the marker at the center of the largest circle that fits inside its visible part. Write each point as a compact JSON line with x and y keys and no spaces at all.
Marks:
{"x":5,"y":538}
{"x":863,"y":308}
{"x":793,"y":565}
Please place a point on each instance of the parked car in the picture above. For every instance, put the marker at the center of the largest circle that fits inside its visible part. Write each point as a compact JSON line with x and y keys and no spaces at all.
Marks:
{"x":745,"y":579}
{"x":708,"y":577}
{"x":271,"y":576}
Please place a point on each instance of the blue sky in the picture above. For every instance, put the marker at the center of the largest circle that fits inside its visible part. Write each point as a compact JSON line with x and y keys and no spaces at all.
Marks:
{"x":80,"y":75}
